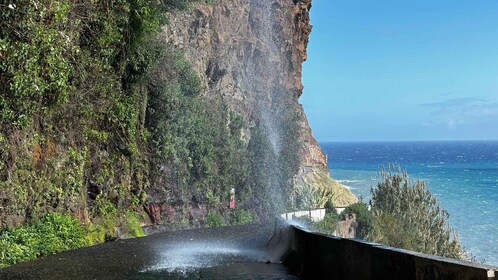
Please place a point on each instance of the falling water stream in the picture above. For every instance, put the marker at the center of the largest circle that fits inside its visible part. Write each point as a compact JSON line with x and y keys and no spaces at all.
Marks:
{"x":259,"y":79}
{"x":190,"y":256}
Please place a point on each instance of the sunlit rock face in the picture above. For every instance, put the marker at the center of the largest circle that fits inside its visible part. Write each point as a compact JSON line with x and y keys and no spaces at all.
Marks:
{"x":249,"y":53}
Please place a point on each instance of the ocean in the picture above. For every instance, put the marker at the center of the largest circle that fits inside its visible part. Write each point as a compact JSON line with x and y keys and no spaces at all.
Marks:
{"x":462,"y":174}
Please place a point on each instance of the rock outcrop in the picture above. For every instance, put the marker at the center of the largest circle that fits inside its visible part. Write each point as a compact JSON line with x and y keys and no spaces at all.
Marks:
{"x":347,"y":227}
{"x":249,"y":54}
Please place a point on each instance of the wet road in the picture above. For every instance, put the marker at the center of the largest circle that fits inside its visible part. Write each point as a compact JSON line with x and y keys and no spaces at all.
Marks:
{"x":239,"y":252}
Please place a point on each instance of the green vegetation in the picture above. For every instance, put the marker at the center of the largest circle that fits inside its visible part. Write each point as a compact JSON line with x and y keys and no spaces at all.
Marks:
{"x":410,"y":217}
{"x":51,"y":234}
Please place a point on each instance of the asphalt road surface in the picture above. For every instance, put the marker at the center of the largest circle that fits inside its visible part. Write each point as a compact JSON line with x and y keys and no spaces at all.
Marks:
{"x":240,"y":252}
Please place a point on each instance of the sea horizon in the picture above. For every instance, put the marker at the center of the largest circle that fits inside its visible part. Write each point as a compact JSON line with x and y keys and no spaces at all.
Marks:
{"x":407,"y":141}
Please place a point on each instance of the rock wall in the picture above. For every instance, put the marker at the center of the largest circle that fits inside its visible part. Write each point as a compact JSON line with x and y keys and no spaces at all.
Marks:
{"x":249,"y":53}
{"x":347,"y":227}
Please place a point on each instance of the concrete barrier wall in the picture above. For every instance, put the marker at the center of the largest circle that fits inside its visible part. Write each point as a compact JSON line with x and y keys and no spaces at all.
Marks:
{"x":315,"y":215}
{"x":314,"y":256}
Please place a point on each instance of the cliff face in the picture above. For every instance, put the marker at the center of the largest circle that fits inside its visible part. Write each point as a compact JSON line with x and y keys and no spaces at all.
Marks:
{"x":249,"y":54}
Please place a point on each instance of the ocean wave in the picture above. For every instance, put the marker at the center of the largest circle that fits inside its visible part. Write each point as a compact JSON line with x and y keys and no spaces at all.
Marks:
{"x":348,"y":187}
{"x":351,"y":181}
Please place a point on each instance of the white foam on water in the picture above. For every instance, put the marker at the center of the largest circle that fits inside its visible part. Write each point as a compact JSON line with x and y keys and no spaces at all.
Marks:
{"x":351,"y":181}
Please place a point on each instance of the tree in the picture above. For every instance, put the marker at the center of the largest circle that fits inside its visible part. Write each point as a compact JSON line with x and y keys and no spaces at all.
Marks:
{"x":409,"y":216}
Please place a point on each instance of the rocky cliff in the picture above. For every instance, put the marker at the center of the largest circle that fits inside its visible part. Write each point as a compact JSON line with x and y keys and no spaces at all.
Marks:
{"x":249,"y":53}
{"x":115,"y":116}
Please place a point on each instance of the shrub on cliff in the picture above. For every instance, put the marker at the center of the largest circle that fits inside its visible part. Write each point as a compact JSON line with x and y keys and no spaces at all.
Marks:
{"x":409,"y":216}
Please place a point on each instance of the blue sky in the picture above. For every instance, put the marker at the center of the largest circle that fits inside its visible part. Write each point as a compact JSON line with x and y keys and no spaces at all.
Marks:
{"x":402,"y":70}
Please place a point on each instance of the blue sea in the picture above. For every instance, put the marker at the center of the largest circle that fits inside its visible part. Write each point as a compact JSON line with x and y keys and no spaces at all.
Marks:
{"x":462,"y":174}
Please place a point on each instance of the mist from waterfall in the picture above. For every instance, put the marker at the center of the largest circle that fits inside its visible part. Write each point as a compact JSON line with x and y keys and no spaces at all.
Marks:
{"x":263,"y":60}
